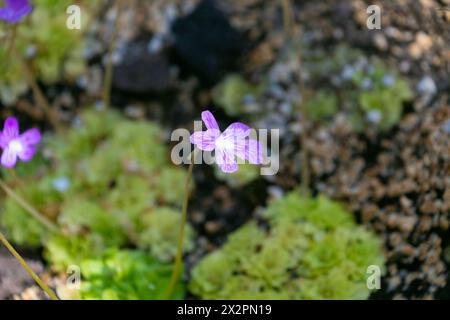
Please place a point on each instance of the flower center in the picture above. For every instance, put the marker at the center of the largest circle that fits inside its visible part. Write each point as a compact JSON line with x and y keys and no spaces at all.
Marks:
{"x":16,"y":146}
{"x":223,"y":143}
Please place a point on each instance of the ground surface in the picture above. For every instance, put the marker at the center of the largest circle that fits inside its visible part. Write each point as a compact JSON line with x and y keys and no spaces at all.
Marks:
{"x":396,"y":182}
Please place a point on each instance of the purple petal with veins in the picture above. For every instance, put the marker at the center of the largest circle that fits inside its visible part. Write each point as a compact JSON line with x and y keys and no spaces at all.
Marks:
{"x":10,"y":129}
{"x":250,"y":150}
{"x":205,"y":140}
{"x":237,"y":129}
{"x":209,"y":120}
{"x":226,"y":161}
{"x":31,"y":136}
{"x":9,"y":158}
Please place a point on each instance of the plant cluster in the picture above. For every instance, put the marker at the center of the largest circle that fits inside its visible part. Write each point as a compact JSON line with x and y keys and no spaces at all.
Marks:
{"x":312,"y":250}
{"x":105,"y":183}
{"x":122,"y":275}
{"x":53,"y":51}
{"x":365,"y":90}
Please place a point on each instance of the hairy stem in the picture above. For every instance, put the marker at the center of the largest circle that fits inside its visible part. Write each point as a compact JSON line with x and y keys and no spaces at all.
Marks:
{"x":30,"y":271}
{"x":179,"y":254}
{"x":107,"y":83}
{"x":27,"y":207}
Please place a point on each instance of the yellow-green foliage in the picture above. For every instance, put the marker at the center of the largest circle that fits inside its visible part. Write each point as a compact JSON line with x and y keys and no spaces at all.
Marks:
{"x":321,"y":104}
{"x":384,"y":97}
{"x":56,"y":52}
{"x":106,"y":183}
{"x":160,"y":231}
{"x":369,"y":90}
{"x":313,"y":250}
{"x":124,"y":275}
{"x":365,"y":89}
{"x":230,"y":93}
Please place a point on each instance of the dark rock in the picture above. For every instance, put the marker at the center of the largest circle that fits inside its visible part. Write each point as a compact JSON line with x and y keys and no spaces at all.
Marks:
{"x":206,"y":43}
{"x":141,"y":72}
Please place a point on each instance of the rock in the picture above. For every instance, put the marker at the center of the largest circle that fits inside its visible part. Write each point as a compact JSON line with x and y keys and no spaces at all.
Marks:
{"x":13,"y":278}
{"x":141,"y":72}
{"x":421,"y":45}
{"x":380,"y":41}
{"x":206,"y":43}
{"x":427,"y":86}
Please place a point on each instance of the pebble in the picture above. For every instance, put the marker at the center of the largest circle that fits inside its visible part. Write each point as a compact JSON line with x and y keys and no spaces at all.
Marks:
{"x":427,"y":86}
{"x":388,"y":80}
{"x":374,"y":116}
{"x":446,"y":126}
{"x":380,"y":41}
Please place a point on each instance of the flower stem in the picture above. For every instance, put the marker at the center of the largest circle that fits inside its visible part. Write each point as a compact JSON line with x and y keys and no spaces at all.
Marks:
{"x":30,"y":271}
{"x":12,"y":40}
{"x":41,"y":100}
{"x":289,"y":31}
{"x":107,"y":83}
{"x":179,"y":254}
{"x":27,"y":207}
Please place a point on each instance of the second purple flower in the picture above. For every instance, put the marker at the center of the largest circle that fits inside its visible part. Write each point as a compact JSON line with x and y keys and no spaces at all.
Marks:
{"x":16,"y":145}
{"x":15,"y":10}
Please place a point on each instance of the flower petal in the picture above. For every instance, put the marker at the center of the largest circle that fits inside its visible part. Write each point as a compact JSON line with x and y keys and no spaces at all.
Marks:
{"x":9,"y":158}
{"x":3,"y":140}
{"x":205,"y":140}
{"x":251,"y":150}
{"x":17,"y":4}
{"x":31,"y":137}
{"x":6,"y":14}
{"x":209,"y":120}
{"x":10,"y":129}
{"x":226,"y":161}
{"x":237,"y":129}
{"x":27,"y":153}
{"x":15,"y":10}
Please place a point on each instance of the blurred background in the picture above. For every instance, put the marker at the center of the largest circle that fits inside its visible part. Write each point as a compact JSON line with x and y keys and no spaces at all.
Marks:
{"x":364,"y":122}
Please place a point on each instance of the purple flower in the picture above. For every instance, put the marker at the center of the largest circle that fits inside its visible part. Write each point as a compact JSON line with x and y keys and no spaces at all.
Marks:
{"x":17,"y":145}
{"x":15,"y":10}
{"x":232,"y":143}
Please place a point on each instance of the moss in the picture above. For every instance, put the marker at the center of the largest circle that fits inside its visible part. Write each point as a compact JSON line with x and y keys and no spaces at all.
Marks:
{"x":124,"y":275}
{"x":312,"y":250}
{"x":369,"y":91}
{"x":232,"y":91}
{"x":107,"y":183}
{"x":80,"y":215}
{"x":364,"y":89}
{"x":321,"y":104}
{"x":63,"y":251}
{"x":57,"y":51}
{"x":160,"y":232}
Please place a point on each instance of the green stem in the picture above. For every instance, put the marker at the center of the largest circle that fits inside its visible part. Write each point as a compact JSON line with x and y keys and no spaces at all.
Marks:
{"x":30,"y":271}
{"x":12,"y":40}
{"x":26,"y":206}
{"x":289,"y":31}
{"x":39,"y":96}
{"x":287,"y":19}
{"x":107,"y":83}
{"x":179,"y":254}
